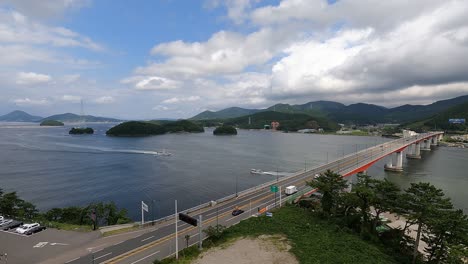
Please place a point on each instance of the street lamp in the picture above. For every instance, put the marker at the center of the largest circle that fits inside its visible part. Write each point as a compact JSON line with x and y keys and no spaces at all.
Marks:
{"x":152,"y":211}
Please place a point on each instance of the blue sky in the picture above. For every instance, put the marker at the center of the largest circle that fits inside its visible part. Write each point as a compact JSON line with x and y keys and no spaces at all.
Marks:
{"x":174,"y":58}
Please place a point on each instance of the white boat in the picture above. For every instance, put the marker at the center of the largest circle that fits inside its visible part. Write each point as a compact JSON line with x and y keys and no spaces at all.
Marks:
{"x":256,"y":171}
{"x":163,"y":153}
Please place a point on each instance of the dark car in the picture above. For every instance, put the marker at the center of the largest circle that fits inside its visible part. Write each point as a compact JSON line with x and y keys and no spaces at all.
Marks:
{"x":12,"y":225}
{"x":237,"y":212}
{"x":35,"y":230}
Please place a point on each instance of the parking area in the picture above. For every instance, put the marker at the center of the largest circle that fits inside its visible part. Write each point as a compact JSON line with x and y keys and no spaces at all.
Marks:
{"x":41,"y":246}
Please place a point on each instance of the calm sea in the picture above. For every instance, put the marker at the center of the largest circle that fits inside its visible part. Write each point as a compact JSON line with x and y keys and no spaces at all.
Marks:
{"x":51,"y":168}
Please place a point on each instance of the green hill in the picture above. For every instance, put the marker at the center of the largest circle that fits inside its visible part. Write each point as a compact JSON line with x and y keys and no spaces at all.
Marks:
{"x":359,"y":113}
{"x":135,"y":129}
{"x":155,"y":127}
{"x":73,"y":118}
{"x":441,"y":121}
{"x":230,"y":112}
{"x":51,"y":123}
{"x":179,"y":126}
{"x":19,"y":116}
{"x":288,"y":121}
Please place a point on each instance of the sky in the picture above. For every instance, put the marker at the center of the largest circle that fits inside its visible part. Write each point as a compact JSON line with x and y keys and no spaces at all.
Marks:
{"x":176,"y":58}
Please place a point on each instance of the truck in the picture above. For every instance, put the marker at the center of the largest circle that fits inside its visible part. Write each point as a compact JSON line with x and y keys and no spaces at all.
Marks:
{"x":290,"y":190}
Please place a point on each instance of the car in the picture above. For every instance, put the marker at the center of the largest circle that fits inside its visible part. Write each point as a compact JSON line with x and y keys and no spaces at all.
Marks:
{"x":26,"y":228}
{"x":12,"y":225}
{"x":1,"y":218}
{"x":237,"y":212}
{"x":35,"y":230}
{"x":6,"y":222}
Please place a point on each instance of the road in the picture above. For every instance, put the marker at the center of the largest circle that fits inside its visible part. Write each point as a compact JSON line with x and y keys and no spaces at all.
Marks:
{"x":160,"y":243}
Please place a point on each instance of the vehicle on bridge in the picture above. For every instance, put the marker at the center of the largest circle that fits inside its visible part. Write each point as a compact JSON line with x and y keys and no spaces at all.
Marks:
{"x":237,"y":211}
{"x":290,"y":190}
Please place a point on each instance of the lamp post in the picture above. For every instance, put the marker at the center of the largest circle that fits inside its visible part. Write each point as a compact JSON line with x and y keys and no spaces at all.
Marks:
{"x":236,"y":186}
{"x":152,"y":211}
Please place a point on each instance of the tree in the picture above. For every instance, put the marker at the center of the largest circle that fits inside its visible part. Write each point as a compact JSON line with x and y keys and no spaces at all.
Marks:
{"x":27,"y":210}
{"x":9,"y":204}
{"x":449,"y":229}
{"x":365,"y":190}
{"x":386,"y":199}
{"x":422,"y":202}
{"x":330,"y":185}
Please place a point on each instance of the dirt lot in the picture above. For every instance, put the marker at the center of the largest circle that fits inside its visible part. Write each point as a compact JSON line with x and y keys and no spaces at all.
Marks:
{"x":264,"y":249}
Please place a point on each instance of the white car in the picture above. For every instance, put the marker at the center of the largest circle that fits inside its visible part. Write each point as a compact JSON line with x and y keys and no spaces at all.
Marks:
{"x":26,"y":228}
{"x":6,"y":222}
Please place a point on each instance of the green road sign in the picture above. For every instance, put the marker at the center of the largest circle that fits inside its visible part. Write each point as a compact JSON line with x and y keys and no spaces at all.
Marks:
{"x":274,"y":188}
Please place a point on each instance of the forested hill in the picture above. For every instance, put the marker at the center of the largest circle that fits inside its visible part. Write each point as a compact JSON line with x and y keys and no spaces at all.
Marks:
{"x":288,"y":121}
{"x":359,"y":113}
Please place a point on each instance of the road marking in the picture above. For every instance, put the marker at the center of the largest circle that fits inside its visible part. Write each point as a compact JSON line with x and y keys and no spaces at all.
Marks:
{"x":147,"y":238}
{"x":58,"y":244}
{"x":40,"y":244}
{"x":145,"y":257}
{"x":103,"y":256}
{"x":231,"y":218}
{"x":72,"y":260}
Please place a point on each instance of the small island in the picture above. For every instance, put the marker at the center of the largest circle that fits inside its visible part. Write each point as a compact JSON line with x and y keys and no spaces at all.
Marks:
{"x":136,"y":129}
{"x":81,"y":131}
{"x":225,"y":130}
{"x":150,"y":128}
{"x":51,"y":123}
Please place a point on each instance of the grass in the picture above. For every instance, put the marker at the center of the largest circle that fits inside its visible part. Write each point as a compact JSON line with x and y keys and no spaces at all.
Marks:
{"x":313,"y":240}
{"x":122,"y":230}
{"x":70,"y":227}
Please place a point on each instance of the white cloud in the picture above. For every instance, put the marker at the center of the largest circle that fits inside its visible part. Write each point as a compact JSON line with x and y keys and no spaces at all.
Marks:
{"x":237,"y":10}
{"x":161,"y":108}
{"x":70,"y":78}
{"x":151,"y":83}
{"x":15,"y":28}
{"x":27,"y":102}
{"x":70,"y":98}
{"x":104,"y":100}
{"x":175,"y":100}
{"x":32,"y":78}
{"x":224,"y":53}
{"x":46,"y":8}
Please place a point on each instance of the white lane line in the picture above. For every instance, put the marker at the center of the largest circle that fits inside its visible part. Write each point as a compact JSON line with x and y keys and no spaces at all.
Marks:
{"x":147,"y":238}
{"x":231,"y":218}
{"x":71,"y":260}
{"x":103,"y":256}
{"x":145,"y":257}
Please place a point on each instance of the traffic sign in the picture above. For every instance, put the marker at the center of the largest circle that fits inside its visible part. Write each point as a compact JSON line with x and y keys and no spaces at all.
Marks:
{"x":188,"y":219}
{"x":274,"y":188}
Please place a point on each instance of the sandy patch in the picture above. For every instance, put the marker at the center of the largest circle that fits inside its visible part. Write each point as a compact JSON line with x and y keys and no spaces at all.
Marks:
{"x":264,"y":249}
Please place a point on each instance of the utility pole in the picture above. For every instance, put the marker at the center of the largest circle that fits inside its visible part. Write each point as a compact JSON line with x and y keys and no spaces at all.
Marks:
{"x":200,"y":246}
{"x":176,"y":238}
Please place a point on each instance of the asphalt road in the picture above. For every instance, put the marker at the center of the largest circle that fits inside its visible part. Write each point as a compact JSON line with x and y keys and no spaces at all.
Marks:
{"x":160,"y":243}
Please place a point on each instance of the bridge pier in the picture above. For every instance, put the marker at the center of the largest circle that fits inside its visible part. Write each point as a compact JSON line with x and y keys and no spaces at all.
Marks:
{"x":434,"y":141}
{"x":395,"y":163}
{"x":414,"y":151}
{"x":426,"y":145}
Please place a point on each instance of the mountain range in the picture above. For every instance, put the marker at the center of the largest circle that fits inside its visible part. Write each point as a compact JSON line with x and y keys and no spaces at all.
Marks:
{"x":359,"y":113}
{"x":21,"y":116}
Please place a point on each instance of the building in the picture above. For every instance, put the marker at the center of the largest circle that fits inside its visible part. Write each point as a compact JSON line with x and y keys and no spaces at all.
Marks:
{"x":274,"y":125}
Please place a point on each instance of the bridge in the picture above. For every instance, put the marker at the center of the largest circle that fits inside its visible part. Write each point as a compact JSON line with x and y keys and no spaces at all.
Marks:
{"x":160,"y":242}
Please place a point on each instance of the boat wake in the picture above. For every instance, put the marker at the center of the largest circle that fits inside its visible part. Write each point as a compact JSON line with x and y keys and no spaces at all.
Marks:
{"x":271,"y":173}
